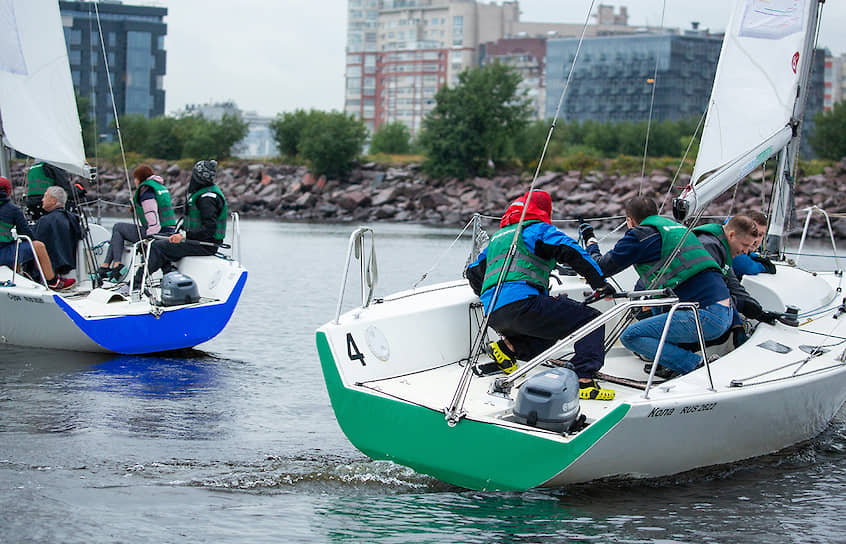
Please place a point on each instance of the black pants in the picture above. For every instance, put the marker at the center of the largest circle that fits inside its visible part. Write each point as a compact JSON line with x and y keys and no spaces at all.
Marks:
{"x":121,"y":233}
{"x":163,"y":253}
{"x":536,"y":323}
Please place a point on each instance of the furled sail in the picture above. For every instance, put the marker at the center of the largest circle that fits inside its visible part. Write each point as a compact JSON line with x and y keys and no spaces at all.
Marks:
{"x":37,"y":103}
{"x":754,"y":93}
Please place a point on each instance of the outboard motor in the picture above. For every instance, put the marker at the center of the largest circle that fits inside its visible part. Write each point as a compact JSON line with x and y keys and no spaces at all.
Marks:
{"x":549,"y":400}
{"x":177,"y":288}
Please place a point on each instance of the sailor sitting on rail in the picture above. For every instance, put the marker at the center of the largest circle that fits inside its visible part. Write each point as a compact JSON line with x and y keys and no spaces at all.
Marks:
{"x":692,"y":274}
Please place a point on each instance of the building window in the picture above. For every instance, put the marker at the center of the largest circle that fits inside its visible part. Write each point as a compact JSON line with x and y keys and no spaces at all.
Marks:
{"x":139,"y":68}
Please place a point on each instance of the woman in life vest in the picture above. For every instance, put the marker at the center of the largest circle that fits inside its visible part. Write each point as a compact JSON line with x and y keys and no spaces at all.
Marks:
{"x":154,"y":212}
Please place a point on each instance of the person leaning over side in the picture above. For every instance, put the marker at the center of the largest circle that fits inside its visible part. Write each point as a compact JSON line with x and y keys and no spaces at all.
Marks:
{"x":59,"y":230}
{"x":692,"y":274}
{"x":752,"y":262}
{"x":726,"y":242}
{"x":205,"y":223}
{"x":11,"y":217}
{"x":527,"y":317}
{"x":154,"y":210}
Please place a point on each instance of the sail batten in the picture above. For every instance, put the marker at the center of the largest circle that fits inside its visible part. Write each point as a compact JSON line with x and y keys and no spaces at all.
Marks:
{"x":37,"y":102}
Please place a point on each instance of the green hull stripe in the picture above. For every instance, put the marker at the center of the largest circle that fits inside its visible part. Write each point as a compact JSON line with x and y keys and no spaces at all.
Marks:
{"x":472,"y":454}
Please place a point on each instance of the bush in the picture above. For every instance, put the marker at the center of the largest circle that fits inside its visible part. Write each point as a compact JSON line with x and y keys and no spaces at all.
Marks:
{"x":829,"y":135}
{"x":331,"y":142}
{"x":391,"y":138}
{"x":287,"y":130}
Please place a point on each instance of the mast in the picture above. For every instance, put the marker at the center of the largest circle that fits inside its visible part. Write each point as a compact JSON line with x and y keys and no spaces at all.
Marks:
{"x":4,"y":154}
{"x":782,"y":199}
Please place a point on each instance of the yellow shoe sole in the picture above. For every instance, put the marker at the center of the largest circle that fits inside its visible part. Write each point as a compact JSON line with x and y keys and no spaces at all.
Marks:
{"x":594,"y":393}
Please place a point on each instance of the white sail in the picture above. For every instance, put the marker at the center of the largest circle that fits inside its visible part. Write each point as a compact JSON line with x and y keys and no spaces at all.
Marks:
{"x":37,"y":103}
{"x":755,"y":84}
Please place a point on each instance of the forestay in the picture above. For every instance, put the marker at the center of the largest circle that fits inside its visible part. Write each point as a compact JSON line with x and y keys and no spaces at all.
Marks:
{"x":37,"y":104}
{"x":755,"y":85}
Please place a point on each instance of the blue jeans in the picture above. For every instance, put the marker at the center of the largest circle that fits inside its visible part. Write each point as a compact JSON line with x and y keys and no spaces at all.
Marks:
{"x":643,"y":337}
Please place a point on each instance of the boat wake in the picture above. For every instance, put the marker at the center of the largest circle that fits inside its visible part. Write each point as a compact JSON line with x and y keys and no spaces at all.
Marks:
{"x":316,"y":473}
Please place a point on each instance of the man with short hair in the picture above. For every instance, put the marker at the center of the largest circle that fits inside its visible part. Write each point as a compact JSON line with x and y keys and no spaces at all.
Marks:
{"x":752,"y":263}
{"x":59,"y":230}
{"x":666,"y":255}
{"x":726,"y":242}
{"x":11,"y":217}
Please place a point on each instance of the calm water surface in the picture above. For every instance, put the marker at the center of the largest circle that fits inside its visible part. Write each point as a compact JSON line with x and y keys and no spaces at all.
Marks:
{"x":237,"y":442}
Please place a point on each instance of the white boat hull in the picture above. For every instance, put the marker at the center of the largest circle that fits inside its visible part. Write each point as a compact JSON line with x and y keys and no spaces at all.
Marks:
{"x":392,"y":368}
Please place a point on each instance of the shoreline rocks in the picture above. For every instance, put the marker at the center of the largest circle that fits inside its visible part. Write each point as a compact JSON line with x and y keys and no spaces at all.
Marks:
{"x":375,"y":192}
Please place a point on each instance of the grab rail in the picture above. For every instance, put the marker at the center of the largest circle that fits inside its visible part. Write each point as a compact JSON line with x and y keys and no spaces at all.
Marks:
{"x":810,"y":211}
{"x":455,"y":411}
{"x":369,"y":275}
{"x":27,"y":239}
{"x":236,"y":236}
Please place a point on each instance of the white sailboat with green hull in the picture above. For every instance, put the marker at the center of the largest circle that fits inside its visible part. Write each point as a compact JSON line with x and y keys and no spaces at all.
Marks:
{"x":400,"y":369}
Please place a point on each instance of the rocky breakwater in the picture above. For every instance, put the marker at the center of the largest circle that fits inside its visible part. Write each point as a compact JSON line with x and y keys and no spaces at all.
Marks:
{"x":375,"y":192}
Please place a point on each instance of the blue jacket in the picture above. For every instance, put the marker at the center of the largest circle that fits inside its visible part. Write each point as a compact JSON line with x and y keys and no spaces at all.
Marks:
{"x":744,"y":265}
{"x":547,"y":242}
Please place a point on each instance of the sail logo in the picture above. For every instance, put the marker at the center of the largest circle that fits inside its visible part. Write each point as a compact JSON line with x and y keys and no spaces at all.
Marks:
{"x":795,"y":63}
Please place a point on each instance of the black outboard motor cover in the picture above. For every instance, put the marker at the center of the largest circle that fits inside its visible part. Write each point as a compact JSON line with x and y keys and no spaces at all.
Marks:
{"x":549,"y":400}
{"x":177,"y":288}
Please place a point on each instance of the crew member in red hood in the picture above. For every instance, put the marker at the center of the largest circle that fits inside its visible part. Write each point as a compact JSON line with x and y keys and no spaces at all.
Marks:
{"x":527,"y":317}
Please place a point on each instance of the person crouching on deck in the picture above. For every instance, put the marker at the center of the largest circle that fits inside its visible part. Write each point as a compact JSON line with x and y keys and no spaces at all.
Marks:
{"x":528,"y":318}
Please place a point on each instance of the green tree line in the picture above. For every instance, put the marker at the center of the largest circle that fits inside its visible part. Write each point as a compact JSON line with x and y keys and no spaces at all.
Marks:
{"x":480,"y":124}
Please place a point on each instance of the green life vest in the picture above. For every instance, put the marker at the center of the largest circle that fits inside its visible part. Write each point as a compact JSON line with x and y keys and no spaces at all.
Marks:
{"x":166,"y":216}
{"x":192,"y":220}
{"x":37,"y":181}
{"x":717,"y":230}
{"x":691,"y":258}
{"x":6,"y":230}
{"x":525,"y":265}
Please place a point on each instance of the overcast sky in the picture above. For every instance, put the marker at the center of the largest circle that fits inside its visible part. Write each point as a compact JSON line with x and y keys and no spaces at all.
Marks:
{"x":272,"y":56}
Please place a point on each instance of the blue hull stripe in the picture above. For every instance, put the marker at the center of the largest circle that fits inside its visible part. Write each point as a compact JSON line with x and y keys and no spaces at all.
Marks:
{"x":174,"y":329}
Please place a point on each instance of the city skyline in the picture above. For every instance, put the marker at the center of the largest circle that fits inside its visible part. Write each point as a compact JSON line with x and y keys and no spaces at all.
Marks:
{"x":279,"y":62}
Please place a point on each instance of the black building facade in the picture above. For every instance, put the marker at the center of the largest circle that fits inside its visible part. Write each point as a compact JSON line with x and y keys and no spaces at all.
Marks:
{"x":134,"y":52}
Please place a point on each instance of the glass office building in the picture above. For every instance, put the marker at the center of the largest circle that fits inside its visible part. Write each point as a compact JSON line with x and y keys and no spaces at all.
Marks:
{"x":614,"y":77}
{"x":134,"y":52}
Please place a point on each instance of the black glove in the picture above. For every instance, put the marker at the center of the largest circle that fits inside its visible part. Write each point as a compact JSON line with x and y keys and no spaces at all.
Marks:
{"x":606,"y":291}
{"x":586,"y":233}
{"x":751,"y":309}
{"x":768,"y":317}
{"x":768,"y":265}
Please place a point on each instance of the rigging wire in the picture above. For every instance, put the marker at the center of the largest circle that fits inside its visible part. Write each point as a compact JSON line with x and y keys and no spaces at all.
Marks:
{"x":136,"y":220}
{"x":454,"y":410}
{"x":652,"y":99}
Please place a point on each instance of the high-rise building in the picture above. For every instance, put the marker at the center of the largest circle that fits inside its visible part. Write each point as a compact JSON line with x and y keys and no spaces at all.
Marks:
{"x":400,"y":52}
{"x":133,"y":37}
{"x":835,"y":80}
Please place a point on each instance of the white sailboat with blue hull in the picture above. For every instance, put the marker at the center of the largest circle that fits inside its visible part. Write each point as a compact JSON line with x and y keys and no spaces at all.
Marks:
{"x":399,"y":369}
{"x":38,"y":117}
